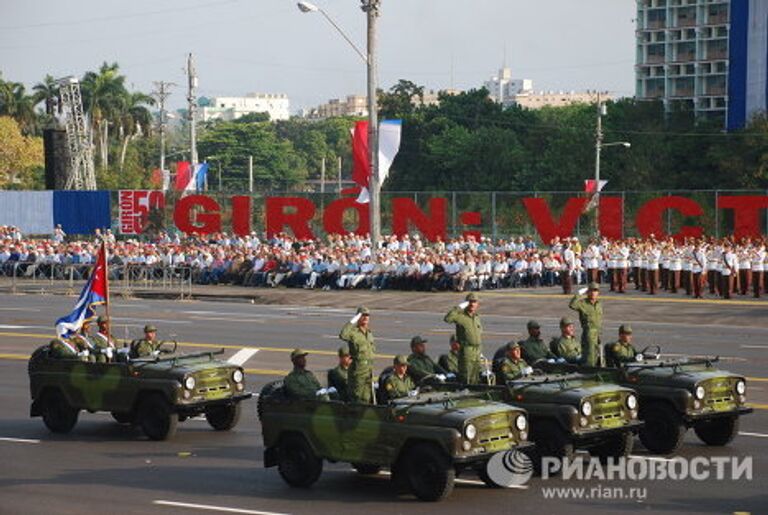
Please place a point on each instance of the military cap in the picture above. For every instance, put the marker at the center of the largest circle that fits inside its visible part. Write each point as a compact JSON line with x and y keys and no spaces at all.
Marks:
{"x":150,"y":329}
{"x":417,"y":340}
{"x":343,"y":350}
{"x":400,"y":360}
{"x":513,"y":345}
{"x":471,"y":297}
{"x":593,"y":286}
{"x":362,"y":310}
{"x":102,"y":319}
{"x":625,"y":329}
{"x":533,"y":324}
{"x":565,"y":321}
{"x":298,"y":352}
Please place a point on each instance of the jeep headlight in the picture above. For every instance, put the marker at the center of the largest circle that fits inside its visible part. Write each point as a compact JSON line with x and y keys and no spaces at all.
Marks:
{"x":470,"y":432}
{"x":699,"y":392}
{"x":586,"y":408}
{"x":631,"y":402}
{"x":189,"y":383}
{"x":237,"y":376}
{"x":741,"y":387}
{"x":521,"y":422}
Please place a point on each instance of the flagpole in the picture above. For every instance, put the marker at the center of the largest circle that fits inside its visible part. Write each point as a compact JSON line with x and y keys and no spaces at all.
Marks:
{"x":106,"y":283}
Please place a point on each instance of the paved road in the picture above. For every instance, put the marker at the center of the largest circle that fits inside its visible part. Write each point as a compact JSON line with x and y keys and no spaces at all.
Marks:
{"x":103,"y":467}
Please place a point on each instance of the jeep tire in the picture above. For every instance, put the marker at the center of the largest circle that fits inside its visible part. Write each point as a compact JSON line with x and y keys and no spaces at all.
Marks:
{"x":429,"y":473}
{"x":58,"y":415}
{"x":615,"y":446}
{"x":156,"y":418}
{"x":297,"y":463}
{"x":551,"y":441}
{"x":223,"y":418}
{"x":717,"y":431}
{"x":663,"y":430}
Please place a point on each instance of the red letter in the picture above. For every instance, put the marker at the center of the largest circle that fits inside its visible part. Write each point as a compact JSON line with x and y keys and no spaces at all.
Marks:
{"x":745,"y":214}
{"x":333,"y":217}
{"x":649,"y":217}
{"x":611,"y":217}
{"x":405,"y":211}
{"x":471,"y":218}
{"x":298,"y":221}
{"x":538,"y":210}
{"x":241,"y":215}
{"x":205,"y":223}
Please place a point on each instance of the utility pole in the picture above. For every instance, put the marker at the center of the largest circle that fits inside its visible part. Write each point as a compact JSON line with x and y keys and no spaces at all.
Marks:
{"x":192,"y":107}
{"x":598,"y":149}
{"x":250,"y":174}
{"x":322,"y":176}
{"x":338,"y":177}
{"x":371,"y":8}
{"x":161,"y":92}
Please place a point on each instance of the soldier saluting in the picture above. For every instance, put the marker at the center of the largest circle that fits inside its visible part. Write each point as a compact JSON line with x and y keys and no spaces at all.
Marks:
{"x":359,"y":338}
{"x":469,"y":333}
{"x":590,"y":311}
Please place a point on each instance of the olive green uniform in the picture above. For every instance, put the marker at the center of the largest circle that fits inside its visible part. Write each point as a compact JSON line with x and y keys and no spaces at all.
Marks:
{"x":534,"y":349}
{"x":469,"y":333}
{"x":450,"y":362}
{"x":360,"y":374}
{"x":511,"y":369}
{"x":338,"y":378}
{"x":60,"y":349}
{"x":144,"y":348}
{"x":301,"y":384}
{"x":623,"y":352}
{"x":83,"y":343}
{"x":421,"y":365}
{"x":397,"y":387}
{"x":566,"y":347}
{"x":101,"y":343}
{"x":591,"y":318}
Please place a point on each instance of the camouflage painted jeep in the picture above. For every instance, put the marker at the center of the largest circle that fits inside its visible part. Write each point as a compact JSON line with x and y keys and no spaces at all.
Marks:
{"x":425,"y":440}
{"x":572,"y":411}
{"x":154,"y":393}
{"x":678,"y":394}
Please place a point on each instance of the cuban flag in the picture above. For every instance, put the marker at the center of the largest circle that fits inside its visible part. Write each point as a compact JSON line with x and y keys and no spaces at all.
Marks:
{"x":94,"y":293}
{"x":390,"y":132}
{"x":196,"y":182}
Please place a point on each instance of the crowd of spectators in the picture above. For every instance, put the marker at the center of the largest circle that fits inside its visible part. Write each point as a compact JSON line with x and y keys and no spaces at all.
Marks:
{"x":338,"y":262}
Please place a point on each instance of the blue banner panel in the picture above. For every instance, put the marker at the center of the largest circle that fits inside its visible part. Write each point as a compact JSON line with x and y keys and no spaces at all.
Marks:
{"x":81,"y":212}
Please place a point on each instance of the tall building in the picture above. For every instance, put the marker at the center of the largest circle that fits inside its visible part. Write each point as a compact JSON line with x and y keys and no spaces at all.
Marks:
{"x":519,"y":92}
{"x":231,"y":108}
{"x":503,"y":88}
{"x":705,"y":56}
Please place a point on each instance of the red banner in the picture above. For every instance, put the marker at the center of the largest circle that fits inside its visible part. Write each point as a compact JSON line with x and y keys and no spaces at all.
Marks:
{"x":135,"y":207}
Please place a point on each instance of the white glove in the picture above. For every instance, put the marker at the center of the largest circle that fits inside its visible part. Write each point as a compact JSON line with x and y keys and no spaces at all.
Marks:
{"x":582,"y":291}
{"x":560,"y":360}
{"x":354,"y":319}
{"x":331,"y":390}
{"x":83,"y":354}
{"x":528,"y":371}
{"x":464,"y":305}
{"x":155,"y":353}
{"x":108,"y":352}
{"x":376,"y":385}
{"x":413,"y":393}
{"x":450,"y":375}
{"x":639,"y":357}
{"x":441,"y":377}
{"x":550,"y":360}
{"x":322,"y":391}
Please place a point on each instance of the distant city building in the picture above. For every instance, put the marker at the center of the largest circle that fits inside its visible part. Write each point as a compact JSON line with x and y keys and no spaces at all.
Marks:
{"x":232,"y":108}
{"x":432,"y":97}
{"x":503,"y":88}
{"x":353,"y":105}
{"x":706,"y":56}
{"x":510,"y":92}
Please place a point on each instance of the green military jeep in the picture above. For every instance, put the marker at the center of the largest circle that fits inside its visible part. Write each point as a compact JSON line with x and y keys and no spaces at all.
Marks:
{"x":425,"y":440}
{"x":678,"y":394}
{"x":570,"y":411}
{"x":155,"y":393}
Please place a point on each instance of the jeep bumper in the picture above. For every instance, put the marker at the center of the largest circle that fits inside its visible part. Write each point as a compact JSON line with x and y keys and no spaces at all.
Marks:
{"x":691,"y":419}
{"x":482,"y":458}
{"x":198,"y":407}
{"x":596,"y":436}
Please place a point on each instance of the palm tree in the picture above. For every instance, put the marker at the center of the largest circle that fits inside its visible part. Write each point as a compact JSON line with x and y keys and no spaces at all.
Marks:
{"x":47,"y":91}
{"x":135,"y":120}
{"x":103,"y":96}
{"x":15,"y":102}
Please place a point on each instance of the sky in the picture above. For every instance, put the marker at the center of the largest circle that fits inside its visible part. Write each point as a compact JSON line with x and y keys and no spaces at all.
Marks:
{"x":269,"y":46}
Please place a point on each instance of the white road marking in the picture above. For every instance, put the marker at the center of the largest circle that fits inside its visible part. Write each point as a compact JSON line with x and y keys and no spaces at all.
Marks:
{"x":18,"y":440}
{"x":25,"y":327}
{"x":155,"y":320}
{"x":465,"y":481}
{"x":209,"y":507}
{"x":241,"y":356}
{"x":753,"y":346}
{"x":20,"y":309}
{"x":757,"y":435}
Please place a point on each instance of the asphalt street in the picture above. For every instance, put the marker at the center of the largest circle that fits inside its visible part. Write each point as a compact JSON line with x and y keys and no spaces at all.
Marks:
{"x":102,"y":467}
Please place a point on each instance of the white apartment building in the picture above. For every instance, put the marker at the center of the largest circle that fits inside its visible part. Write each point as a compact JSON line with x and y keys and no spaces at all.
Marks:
{"x":519,"y":92}
{"x":231,"y":108}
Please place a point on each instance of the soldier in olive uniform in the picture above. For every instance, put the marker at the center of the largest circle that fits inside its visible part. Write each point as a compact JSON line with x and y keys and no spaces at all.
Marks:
{"x":469,"y":332}
{"x":301,"y":383}
{"x":420,"y":364}
{"x":338,"y":377}
{"x":399,"y":383}
{"x":590,"y":310}
{"x":82,"y":342}
{"x":148,"y":345}
{"x":566,"y":346}
{"x":104,"y":344}
{"x":450,"y":361}
{"x":60,"y":348}
{"x":513,"y":366}
{"x":362,"y":348}
{"x":533,"y":348}
{"x":623,"y":351}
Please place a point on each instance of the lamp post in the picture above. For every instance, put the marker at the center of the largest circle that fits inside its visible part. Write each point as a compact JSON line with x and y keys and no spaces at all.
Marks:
{"x":599,"y":146}
{"x":371,"y":8}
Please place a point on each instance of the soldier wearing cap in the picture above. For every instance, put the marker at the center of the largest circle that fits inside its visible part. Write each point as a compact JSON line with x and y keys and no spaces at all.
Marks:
{"x":146,"y":346}
{"x":590,"y":310}
{"x":301,"y":383}
{"x":533,"y":348}
{"x":623,"y":351}
{"x":566,"y":346}
{"x":61,"y":348}
{"x":82,"y":342}
{"x":103,"y":342}
{"x":469,"y":333}
{"x":513,"y":366}
{"x":420,"y":364}
{"x":399,"y":383}
{"x":450,"y":362}
{"x":359,"y":337}
{"x":338,"y":376}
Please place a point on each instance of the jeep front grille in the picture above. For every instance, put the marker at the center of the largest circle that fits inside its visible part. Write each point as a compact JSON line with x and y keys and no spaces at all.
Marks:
{"x":494,"y":430}
{"x":608,"y":409}
{"x":213,"y":389}
{"x":719,"y":393}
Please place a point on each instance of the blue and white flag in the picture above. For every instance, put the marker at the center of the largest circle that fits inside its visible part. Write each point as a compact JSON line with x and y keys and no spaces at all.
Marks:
{"x":197,"y":179}
{"x":94,"y":293}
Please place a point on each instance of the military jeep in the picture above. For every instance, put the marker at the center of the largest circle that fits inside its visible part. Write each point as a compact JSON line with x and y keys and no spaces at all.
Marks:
{"x":676,"y":394}
{"x":425,"y":440}
{"x":154,"y":393}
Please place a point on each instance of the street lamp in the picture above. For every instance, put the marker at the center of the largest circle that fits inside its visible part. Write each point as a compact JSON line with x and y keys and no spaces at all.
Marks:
{"x":371,"y":8}
{"x":599,"y":145}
